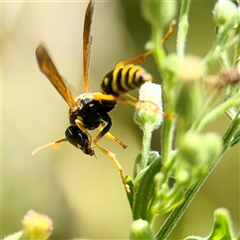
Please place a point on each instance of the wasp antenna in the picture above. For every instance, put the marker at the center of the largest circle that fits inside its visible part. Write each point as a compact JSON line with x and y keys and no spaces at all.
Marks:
{"x":54,"y":144}
{"x":95,"y":155}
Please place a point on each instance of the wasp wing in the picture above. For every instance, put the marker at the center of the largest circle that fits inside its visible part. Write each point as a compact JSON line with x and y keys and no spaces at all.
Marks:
{"x":47,"y":66}
{"x":87,"y":44}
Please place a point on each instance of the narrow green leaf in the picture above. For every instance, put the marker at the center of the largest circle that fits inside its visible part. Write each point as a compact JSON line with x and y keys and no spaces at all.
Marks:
{"x":145,"y":190}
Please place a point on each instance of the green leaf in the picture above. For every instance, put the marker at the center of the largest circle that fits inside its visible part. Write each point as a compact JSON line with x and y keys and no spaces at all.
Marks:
{"x":128,"y":181}
{"x":144,"y":191}
{"x":137,"y":165}
{"x":222,"y":229}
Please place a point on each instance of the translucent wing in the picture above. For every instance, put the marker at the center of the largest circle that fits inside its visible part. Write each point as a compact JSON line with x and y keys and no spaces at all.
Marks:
{"x":47,"y":66}
{"x":87,"y":44}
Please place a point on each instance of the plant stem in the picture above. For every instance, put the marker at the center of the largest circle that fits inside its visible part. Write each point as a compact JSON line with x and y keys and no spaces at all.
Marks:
{"x":167,"y":138}
{"x":216,"y":112}
{"x":158,"y":53}
{"x":146,"y":142}
{"x":207,"y":106}
{"x":232,"y":129}
{"x":182,"y":29}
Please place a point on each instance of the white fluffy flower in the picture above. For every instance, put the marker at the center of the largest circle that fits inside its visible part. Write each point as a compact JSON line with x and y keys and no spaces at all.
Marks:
{"x":149,"y":109}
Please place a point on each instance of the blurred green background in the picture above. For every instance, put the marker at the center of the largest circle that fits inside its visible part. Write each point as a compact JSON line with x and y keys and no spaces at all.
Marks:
{"x":84,"y":196}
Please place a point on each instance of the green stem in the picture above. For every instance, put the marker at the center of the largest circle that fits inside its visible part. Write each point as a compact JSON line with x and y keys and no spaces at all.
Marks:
{"x":207,"y":106}
{"x":146,"y":142}
{"x":167,"y":139}
{"x":159,"y":54}
{"x":168,"y":124}
{"x":224,"y":59}
{"x":237,"y":52}
{"x":182,"y":28}
{"x":232,"y":129}
{"x":216,"y":112}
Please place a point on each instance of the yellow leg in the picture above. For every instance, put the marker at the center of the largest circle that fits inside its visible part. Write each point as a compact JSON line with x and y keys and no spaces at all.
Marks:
{"x":142,"y":57}
{"x":128,"y":99}
{"x":110,"y":136}
{"x":115,"y":161}
{"x":105,"y":151}
{"x":100,"y":96}
{"x":135,"y":102}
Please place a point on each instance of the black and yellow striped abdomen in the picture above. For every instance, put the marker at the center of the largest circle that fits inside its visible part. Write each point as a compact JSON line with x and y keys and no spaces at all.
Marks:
{"x":122,"y":80}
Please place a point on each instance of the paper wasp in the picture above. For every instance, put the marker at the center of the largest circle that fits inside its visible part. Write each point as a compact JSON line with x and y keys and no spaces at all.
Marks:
{"x":89,"y":111}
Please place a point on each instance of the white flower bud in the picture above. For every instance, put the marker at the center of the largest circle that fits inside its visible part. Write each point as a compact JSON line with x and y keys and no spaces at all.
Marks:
{"x":149,"y":109}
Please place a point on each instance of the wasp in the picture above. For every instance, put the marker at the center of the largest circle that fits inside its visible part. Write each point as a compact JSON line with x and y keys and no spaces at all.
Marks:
{"x":89,"y":111}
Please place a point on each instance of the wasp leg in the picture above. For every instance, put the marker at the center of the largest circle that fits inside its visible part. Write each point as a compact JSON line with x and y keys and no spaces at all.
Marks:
{"x":142,"y":57}
{"x":128,"y":99}
{"x":139,"y":58}
{"x":105,"y":117}
{"x":104,"y":131}
{"x":110,"y":136}
{"x":136,"y":101}
{"x":81,"y":126}
{"x":117,"y":164}
{"x":101,"y":96}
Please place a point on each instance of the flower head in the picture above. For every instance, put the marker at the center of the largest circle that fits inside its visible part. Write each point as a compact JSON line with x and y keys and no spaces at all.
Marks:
{"x":149,"y":109}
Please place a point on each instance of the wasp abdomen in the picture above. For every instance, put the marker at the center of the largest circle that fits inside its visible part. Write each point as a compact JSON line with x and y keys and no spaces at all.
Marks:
{"x":122,"y":80}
